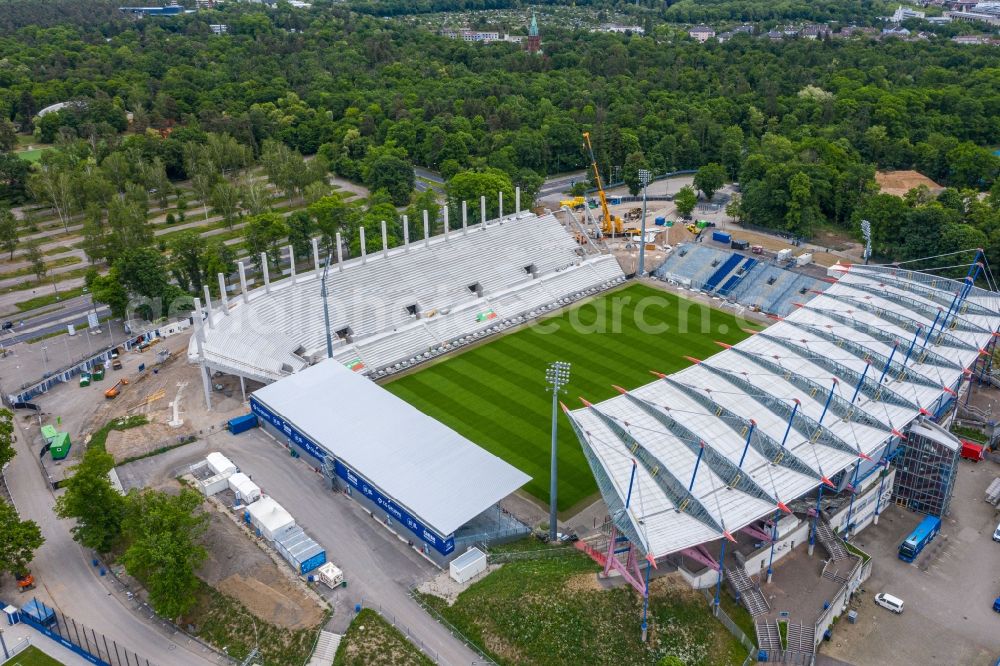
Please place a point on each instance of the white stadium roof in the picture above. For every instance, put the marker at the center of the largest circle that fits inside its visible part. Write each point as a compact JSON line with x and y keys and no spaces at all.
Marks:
{"x":843,"y":339}
{"x":428,"y":468}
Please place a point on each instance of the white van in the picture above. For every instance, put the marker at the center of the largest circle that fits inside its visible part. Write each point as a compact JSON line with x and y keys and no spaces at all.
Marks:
{"x":996,"y":533}
{"x":895,"y":604}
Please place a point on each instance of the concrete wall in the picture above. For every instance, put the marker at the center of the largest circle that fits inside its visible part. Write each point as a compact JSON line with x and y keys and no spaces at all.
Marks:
{"x":862,"y":513}
{"x":756,"y":564}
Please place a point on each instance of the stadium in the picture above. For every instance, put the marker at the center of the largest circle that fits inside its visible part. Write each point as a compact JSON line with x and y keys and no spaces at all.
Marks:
{"x":791,"y":435}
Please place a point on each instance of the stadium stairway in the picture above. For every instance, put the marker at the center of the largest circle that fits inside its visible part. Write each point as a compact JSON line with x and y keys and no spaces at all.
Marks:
{"x":768,"y":638}
{"x":749,"y":592}
{"x":831,"y":542}
{"x":326,"y":649}
{"x":722,"y":271}
{"x":741,"y":273}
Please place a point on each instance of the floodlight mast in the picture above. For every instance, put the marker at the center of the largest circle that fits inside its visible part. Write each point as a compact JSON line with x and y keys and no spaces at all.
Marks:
{"x":645,"y":175}
{"x":326,"y":307}
{"x":556,"y":376}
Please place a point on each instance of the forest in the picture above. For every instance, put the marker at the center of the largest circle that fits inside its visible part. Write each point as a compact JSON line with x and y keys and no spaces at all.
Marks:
{"x":803,"y":125}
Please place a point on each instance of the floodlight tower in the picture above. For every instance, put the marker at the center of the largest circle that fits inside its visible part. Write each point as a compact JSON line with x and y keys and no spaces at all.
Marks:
{"x":645,"y":175}
{"x":326,"y":307}
{"x":556,"y":376}
{"x":866,"y":231}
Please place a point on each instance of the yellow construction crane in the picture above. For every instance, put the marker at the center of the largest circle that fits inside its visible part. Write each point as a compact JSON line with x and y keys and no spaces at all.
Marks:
{"x":610,"y":224}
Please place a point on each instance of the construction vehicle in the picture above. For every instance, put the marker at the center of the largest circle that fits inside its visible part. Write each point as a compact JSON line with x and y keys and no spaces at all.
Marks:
{"x":25,"y":582}
{"x":610,"y":224}
{"x":113,"y":392}
{"x":633,"y":214}
{"x":574,"y":203}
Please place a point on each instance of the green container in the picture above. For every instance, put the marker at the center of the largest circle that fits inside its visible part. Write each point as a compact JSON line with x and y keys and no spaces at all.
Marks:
{"x":49,"y":432}
{"x":84,"y":380}
{"x":99,"y":374}
{"x":60,"y":446}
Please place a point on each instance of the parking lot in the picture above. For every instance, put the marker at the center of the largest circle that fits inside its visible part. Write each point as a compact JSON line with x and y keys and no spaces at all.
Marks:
{"x":948,"y":591}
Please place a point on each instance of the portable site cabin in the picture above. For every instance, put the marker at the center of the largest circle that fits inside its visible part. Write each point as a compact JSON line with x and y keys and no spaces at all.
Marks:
{"x":270,"y":518}
{"x":246,"y":490}
{"x":220,"y":464}
{"x":60,"y":446}
{"x":213,"y":484}
{"x":467,"y":565}
{"x":330,"y":575}
{"x":300,"y":550}
{"x":49,"y":433}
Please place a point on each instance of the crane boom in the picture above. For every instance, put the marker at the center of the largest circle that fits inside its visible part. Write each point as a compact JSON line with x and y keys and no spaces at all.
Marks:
{"x":609,"y":225}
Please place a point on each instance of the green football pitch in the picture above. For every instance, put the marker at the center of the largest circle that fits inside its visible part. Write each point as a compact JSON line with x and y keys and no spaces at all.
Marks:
{"x":494,"y":394}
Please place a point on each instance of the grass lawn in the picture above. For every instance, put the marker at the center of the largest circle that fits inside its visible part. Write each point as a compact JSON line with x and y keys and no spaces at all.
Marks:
{"x":553,"y":611}
{"x":32,"y":155}
{"x":48,"y":299}
{"x":372,"y":640}
{"x":495,"y":394}
{"x":32,"y":656}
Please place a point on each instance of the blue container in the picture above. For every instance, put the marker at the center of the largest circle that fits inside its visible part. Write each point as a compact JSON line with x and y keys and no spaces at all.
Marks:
{"x":762,"y":655}
{"x":722,"y":237}
{"x":660,"y":221}
{"x":242,"y":423}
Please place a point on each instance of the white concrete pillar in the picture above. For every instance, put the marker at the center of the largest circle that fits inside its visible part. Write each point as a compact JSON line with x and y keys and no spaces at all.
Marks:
{"x":427,"y":229}
{"x":225,"y":296}
{"x":385,"y":241}
{"x":291,"y":263}
{"x":199,"y":324}
{"x":315,"y":244}
{"x":266,"y":270}
{"x":364,"y":250}
{"x":243,"y":388}
{"x":340,"y":253}
{"x":208,"y":306}
{"x":446,"y":222}
{"x":517,"y":200}
{"x":810,"y":550}
{"x":406,"y":233}
{"x":482,"y":210}
{"x":500,"y":203}
{"x":199,"y":340}
{"x":243,"y":280}
{"x":465,"y":217}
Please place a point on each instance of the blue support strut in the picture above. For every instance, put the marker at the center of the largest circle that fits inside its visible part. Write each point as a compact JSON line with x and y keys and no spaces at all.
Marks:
{"x":753,"y":424}
{"x":631,"y":480}
{"x":645,"y":601}
{"x":930,"y":332}
{"x":790,"y":419}
{"x":912,"y":343}
{"x":722,"y":569}
{"x":857,"y":389}
{"x":829,"y":397}
{"x":895,"y":345}
{"x":697,"y":462}
{"x":774,"y":538}
{"x":850,"y":507}
{"x":812,"y":531}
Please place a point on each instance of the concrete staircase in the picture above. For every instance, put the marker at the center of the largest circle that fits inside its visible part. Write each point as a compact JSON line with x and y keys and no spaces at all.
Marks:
{"x":748,"y":591}
{"x":326,"y":649}
{"x":768,"y":638}
{"x":800,"y":638}
{"x":831,"y":542}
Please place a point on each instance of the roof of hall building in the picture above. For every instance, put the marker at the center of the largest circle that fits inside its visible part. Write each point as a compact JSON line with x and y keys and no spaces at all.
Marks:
{"x":435,"y":473}
{"x":771,"y":418}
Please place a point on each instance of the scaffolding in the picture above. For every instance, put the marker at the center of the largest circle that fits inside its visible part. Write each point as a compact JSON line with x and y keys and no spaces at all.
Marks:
{"x":926,"y":467}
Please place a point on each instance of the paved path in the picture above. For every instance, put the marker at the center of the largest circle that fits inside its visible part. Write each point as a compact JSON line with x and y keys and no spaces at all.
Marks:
{"x":68,"y":582}
{"x":379,"y":568}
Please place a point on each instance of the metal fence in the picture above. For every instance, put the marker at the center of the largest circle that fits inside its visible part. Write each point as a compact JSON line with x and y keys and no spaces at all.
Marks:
{"x":402,"y":628}
{"x":540,"y":554}
{"x":19,"y":647}
{"x":728,"y":623}
{"x":79,"y":638}
{"x":485,"y":659}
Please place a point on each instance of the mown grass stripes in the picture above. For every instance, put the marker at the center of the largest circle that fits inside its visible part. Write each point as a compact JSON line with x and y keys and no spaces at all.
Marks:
{"x":495,"y":394}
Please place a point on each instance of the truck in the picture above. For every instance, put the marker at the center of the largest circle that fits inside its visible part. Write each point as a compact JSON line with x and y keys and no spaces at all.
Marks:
{"x":740,"y":244}
{"x":722,"y":237}
{"x":784,"y":255}
{"x":919,"y":538}
{"x":972,"y":451}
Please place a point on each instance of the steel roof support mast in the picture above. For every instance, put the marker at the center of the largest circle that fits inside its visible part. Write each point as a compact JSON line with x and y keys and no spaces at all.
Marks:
{"x":556,"y":376}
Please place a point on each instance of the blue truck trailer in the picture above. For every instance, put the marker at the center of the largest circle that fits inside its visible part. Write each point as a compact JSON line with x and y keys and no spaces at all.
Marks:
{"x":242,"y":423}
{"x":919,"y":538}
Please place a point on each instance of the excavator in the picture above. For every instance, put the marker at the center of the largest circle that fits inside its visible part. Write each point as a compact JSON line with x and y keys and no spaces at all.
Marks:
{"x":610,"y":224}
{"x":25,"y":582}
{"x":113,"y":392}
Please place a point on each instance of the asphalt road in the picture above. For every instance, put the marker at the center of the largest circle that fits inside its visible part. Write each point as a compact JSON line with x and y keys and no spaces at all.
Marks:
{"x":67,"y":581}
{"x":378,"y":567}
{"x":560,"y":183}
{"x":74,"y":311}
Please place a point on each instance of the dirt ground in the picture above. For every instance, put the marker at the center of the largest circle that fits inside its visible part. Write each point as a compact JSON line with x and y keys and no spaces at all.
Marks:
{"x":899,"y":183}
{"x":134,"y":442}
{"x":242,"y":570}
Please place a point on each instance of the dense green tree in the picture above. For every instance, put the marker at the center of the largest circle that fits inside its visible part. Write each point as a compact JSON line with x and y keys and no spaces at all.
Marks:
{"x":685,"y":201}
{"x":8,"y":136}
{"x":301,"y":227}
{"x":710,"y":178}
{"x":469,"y":186}
{"x":93,"y":502}
{"x":225,"y":201}
{"x":393,"y":174}
{"x":633,"y":163}
{"x":33,"y":255}
{"x":110,"y":290}
{"x":8,"y":231}
{"x":264,"y":233}
{"x":21,"y":538}
{"x":7,"y":450}
{"x":164,"y":550}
